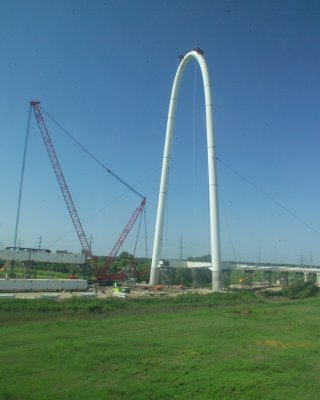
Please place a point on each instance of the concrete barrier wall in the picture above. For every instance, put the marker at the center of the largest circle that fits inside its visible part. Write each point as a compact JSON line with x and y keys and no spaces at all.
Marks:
{"x":21,"y":285}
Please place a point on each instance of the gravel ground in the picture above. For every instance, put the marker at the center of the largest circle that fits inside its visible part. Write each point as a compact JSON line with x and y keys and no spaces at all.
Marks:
{"x":106,"y":292}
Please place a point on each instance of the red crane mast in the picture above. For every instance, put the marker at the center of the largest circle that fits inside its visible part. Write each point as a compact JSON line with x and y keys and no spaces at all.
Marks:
{"x":102,"y":274}
{"x":61,"y":180}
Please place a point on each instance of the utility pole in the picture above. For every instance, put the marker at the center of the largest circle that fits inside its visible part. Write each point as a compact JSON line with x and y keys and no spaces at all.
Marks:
{"x":301,"y":260}
{"x":40,"y":241}
{"x":180,"y":248}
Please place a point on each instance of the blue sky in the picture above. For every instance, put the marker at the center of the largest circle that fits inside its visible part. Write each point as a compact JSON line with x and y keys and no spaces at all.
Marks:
{"x":104,"y":70}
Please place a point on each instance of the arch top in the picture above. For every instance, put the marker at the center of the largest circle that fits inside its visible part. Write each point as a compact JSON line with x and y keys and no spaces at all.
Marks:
{"x":196,"y":54}
{"x":196,"y":50}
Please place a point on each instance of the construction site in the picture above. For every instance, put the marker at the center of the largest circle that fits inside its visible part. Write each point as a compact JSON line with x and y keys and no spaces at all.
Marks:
{"x":90,"y":272}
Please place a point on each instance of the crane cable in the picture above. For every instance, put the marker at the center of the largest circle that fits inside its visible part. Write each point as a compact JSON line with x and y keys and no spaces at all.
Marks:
{"x":108,"y":205}
{"x":92,"y":156}
{"x":137,"y":237}
{"x":145,"y":229}
{"x":22,"y":177}
{"x":109,"y":171}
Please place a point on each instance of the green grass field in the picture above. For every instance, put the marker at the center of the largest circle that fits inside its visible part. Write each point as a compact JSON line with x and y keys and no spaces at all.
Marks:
{"x":219,"y":346}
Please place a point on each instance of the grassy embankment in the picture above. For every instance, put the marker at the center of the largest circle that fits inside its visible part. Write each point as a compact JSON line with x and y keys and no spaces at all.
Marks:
{"x":219,"y":346}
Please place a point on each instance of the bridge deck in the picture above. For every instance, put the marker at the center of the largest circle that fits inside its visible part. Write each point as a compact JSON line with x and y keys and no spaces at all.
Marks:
{"x":38,"y":256}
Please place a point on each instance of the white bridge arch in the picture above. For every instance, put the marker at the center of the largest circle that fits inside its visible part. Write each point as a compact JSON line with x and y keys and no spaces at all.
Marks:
{"x":196,"y":54}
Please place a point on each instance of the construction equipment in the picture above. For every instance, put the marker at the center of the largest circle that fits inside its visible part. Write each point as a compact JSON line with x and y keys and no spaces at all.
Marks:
{"x":62,"y":182}
{"x":102,"y":275}
{"x":247,"y":278}
{"x":5,"y":265}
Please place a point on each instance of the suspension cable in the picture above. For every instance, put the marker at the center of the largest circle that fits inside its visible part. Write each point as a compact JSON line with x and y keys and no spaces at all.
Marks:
{"x":194,"y":126}
{"x":227,"y":223}
{"x":295,"y":216}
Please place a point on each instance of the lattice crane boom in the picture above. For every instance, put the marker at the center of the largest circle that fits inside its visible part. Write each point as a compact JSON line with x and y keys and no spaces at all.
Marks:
{"x":102,"y":273}
{"x":61,"y":180}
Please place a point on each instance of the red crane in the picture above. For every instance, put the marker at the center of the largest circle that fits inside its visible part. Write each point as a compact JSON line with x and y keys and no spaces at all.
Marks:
{"x":101,"y":274}
{"x":62,"y":182}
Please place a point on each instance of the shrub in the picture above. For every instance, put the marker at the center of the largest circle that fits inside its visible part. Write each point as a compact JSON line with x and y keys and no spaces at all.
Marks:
{"x":300,"y":290}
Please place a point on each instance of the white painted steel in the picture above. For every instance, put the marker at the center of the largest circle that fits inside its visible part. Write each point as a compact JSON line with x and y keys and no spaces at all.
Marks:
{"x":183,"y":264}
{"x":213,"y":187}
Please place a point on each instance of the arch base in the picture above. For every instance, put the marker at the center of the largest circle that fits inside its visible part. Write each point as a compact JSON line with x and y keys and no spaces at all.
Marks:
{"x":216,"y":281}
